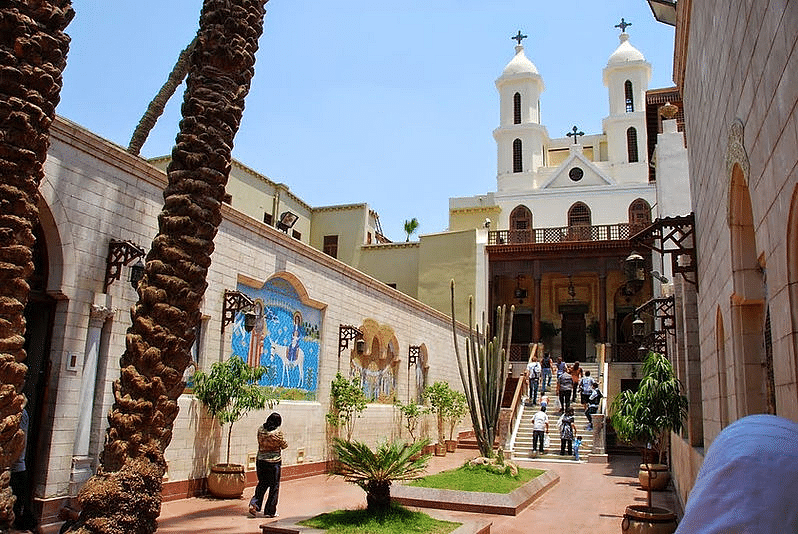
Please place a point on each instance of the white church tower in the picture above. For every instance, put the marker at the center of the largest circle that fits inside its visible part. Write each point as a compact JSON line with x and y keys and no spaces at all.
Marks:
{"x":520,"y":137}
{"x":626,"y":77}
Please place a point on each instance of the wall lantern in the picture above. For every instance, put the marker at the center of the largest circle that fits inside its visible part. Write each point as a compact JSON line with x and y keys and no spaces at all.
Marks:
{"x":664,"y":11}
{"x":634,"y":267}
{"x":413,"y":353}
{"x":286,"y":221}
{"x":347,"y":333}
{"x":234,"y":302}
{"x":638,"y":328}
{"x":520,"y":293}
{"x":121,"y":253}
{"x":136,"y":274}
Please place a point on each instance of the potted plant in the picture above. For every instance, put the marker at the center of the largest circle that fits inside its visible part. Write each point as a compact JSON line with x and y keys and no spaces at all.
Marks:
{"x":647,"y":416}
{"x":229,"y":391}
{"x":458,"y":408}
{"x":347,"y":401}
{"x":439,"y":396}
{"x":412,"y":414}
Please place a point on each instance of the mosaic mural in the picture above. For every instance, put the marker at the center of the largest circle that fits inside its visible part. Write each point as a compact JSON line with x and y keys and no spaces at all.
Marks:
{"x":285,"y":339}
{"x":377,"y":367}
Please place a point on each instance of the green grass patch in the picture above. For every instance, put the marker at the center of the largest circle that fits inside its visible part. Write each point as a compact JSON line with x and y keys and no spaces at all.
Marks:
{"x":398,"y":520}
{"x":477,"y":478}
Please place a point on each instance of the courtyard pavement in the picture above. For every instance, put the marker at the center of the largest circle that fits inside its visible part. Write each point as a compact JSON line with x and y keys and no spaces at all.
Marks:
{"x":590,"y":498}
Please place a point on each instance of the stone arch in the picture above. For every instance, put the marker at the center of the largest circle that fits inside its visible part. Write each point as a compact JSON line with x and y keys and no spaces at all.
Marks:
{"x":57,"y":260}
{"x":748,"y":297}
{"x":723,"y":387}
{"x":296,"y":283}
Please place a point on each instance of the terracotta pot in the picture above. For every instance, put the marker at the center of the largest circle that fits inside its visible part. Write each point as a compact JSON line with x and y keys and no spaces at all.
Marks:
{"x":451,"y":445}
{"x":658,"y":479}
{"x":227,"y":481}
{"x":639,"y":519}
{"x":440,"y":449}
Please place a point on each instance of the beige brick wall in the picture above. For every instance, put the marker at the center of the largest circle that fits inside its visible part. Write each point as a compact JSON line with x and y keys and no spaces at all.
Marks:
{"x":742,"y":64}
{"x":94,"y":191}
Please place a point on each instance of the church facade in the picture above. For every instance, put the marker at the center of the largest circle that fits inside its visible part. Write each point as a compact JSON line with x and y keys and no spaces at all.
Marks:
{"x":563,"y":211}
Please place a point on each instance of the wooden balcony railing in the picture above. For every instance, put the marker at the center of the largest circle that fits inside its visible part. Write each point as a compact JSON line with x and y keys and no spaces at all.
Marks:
{"x":604,"y":232}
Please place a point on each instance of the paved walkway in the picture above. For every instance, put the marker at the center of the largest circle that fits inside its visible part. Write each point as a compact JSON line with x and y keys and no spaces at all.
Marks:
{"x":588,"y":498}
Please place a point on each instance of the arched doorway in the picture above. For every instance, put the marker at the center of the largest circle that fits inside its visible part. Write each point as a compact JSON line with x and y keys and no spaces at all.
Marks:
{"x":755,"y":393}
{"x":39,"y":315}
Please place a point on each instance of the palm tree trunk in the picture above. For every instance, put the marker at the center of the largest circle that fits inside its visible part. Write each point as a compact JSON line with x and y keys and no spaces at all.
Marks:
{"x":156,"y":107}
{"x":33,"y":48}
{"x":125,"y":494}
{"x":378,"y":496}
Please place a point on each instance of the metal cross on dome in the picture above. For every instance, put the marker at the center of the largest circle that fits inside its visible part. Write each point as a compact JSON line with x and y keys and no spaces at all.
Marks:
{"x":623,"y":25}
{"x":575,"y":134}
{"x":519,"y":37}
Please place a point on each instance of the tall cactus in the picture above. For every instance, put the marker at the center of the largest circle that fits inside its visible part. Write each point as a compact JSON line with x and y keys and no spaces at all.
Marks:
{"x":484,"y":371}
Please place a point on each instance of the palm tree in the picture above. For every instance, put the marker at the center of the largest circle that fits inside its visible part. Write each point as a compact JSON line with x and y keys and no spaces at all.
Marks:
{"x":156,"y":107}
{"x":374,"y":471}
{"x":33,"y":49}
{"x":125,"y":493}
{"x":410,"y":227}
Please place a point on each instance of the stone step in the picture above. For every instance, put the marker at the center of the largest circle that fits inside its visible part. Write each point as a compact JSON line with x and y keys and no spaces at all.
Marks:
{"x":522,"y":445}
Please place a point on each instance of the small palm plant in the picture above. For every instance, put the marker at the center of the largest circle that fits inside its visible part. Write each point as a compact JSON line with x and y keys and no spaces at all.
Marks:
{"x":376,"y":470}
{"x":410,"y":227}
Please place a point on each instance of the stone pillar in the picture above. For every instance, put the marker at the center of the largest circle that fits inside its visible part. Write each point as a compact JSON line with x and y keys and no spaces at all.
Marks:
{"x":603,"y":307}
{"x":536,"y":318}
{"x":599,"y":452}
{"x":81,"y":461}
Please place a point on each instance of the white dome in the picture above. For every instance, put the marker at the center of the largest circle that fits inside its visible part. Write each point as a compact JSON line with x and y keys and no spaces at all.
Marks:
{"x":625,"y":52}
{"x":520,"y":64}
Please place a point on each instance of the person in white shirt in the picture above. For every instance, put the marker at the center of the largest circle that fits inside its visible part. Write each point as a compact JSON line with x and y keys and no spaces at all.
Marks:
{"x":540,"y":427}
{"x":533,"y":374}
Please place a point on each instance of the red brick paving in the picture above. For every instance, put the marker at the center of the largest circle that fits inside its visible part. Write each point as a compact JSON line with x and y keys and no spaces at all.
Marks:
{"x":589,"y":498}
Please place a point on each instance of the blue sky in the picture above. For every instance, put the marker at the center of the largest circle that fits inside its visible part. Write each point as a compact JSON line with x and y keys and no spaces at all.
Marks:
{"x":392,"y":104}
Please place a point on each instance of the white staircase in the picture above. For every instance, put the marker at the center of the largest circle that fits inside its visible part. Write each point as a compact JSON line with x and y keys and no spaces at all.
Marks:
{"x":521,"y":442}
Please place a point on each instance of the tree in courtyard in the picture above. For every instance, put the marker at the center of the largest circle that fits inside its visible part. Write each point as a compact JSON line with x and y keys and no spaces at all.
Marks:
{"x":33,"y":50}
{"x":376,"y":470}
{"x":410,"y":227}
{"x":124,"y":496}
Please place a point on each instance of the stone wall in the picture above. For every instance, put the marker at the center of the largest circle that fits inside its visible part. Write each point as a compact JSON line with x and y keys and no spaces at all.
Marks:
{"x":94,"y":192}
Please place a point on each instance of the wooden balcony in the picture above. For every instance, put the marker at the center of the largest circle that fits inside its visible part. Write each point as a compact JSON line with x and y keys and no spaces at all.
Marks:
{"x":564,"y":234}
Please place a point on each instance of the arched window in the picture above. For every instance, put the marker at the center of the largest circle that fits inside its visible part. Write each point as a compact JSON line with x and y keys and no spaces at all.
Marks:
{"x":520,"y":225}
{"x":517,"y":161}
{"x":579,"y":222}
{"x":517,"y":108}
{"x":639,"y":215}
{"x":579,"y":215}
{"x":631,"y":145}
{"x":630,"y":97}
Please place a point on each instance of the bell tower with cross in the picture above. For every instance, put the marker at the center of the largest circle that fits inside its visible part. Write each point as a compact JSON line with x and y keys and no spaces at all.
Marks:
{"x":626,"y":77}
{"x":520,"y":136}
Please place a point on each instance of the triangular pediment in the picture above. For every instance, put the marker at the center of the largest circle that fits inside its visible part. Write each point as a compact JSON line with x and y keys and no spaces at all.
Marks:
{"x":568,"y":174}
